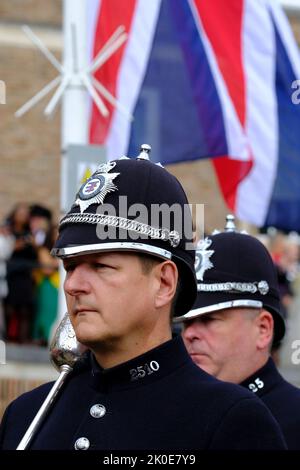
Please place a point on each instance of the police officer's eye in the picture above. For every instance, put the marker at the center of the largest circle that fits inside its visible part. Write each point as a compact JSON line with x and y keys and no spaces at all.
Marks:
{"x":69,"y":267}
{"x":101,"y":266}
{"x":208,"y":319}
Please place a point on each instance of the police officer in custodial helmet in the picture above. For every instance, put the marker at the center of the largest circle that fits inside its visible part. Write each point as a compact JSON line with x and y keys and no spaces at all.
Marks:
{"x":235,"y":320}
{"x":129,"y":261}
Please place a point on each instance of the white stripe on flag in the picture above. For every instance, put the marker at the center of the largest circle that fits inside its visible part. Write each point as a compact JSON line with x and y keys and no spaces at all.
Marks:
{"x":132,"y":71}
{"x":93,"y":10}
{"x":255,"y":190}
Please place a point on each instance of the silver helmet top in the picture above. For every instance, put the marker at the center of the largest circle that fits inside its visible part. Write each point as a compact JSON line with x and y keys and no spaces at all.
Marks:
{"x":230,"y":225}
{"x":144,"y":152}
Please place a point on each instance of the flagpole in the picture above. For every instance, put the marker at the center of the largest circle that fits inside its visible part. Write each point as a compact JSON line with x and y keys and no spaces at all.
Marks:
{"x":74,"y":123}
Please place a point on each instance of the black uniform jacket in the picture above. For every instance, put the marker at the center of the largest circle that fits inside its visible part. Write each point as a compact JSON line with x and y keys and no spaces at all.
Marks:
{"x":282,"y":399}
{"x":160,"y":400}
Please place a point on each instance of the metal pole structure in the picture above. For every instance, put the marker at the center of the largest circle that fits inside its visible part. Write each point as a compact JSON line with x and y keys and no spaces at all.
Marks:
{"x":65,"y":352}
{"x":75,"y":103}
{"x":74,"y":128}
{"x":43,"y":411}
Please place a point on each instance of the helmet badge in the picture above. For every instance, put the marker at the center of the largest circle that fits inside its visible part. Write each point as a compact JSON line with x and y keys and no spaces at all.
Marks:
{"x":202,"y":262}
{"x":94,"y":190}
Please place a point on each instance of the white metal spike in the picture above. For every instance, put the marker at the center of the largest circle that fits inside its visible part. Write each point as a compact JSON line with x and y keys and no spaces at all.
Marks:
{"x":108,"y":51}
{"x":144,"y":152}
{"x":44,"y":50}
{"x":97,"y":99}
{"x":120,"y":29}
{"x":110,"y":98}
{"x":230,"y":225}
{"x":57,"y":96}
{"x":77,"y":77}
{"x":39,"y":96}
{"x":118,"y":32}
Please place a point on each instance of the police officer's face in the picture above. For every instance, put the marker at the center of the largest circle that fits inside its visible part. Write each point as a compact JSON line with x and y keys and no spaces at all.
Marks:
{"x":224,"y":343}
{"x":111,"y":300}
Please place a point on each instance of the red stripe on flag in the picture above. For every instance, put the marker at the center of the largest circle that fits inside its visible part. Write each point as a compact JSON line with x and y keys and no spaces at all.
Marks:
{"x":223,"y":22}
{"x":230,"y":173}
{"x":113,"y":13}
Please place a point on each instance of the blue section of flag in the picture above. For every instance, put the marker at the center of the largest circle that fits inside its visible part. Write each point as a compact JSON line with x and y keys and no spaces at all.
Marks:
{"x":204,"y":89}
{"x":284,"y":209}
{"x":178,"y":109}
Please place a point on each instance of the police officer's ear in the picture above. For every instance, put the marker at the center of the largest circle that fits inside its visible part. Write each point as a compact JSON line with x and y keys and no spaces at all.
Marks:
{"x":265,"y":324}
{"x":166,"y":274}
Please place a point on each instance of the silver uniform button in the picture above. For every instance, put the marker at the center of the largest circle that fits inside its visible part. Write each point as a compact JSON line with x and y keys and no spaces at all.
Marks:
{"x":97,"y":411}
{"x":82,"y":444}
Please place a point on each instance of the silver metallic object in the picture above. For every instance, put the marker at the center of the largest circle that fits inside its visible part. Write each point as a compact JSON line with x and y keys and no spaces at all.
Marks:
{"x":202,"y":261}
{"x":82,"y":444}
{"x":96,"y":188}
{"x":230,"y":225}
{"x":65,"y":352}
{"x":144,"y":152}
{"x":220,"y":306}
{"x":103,"y":247}
{"x":98,"y":411}
{"x":123,"y":223}
{"x":235,"y":287}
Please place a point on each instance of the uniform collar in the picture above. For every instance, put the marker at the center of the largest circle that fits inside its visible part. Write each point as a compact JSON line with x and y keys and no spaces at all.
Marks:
{"x":142,"y":370}
{"x":264,"y":379}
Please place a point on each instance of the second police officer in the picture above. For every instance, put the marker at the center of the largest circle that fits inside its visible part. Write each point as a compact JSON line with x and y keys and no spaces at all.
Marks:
{"x":237,"y":318}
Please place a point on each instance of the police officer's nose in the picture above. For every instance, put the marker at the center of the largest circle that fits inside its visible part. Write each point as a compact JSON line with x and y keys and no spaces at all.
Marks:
{"x":190,"y":331}
{"x":76,"y":281}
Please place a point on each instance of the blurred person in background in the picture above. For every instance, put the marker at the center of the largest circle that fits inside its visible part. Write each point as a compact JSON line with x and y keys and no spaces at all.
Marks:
{"x":7,"y":242}
{"x":47,"y":285}
{"x":40,"y":223}
{"x":20,"y":304}
{"x":276,"y":243}
{"x":46,"y":275}
{"x":284,"y":250}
